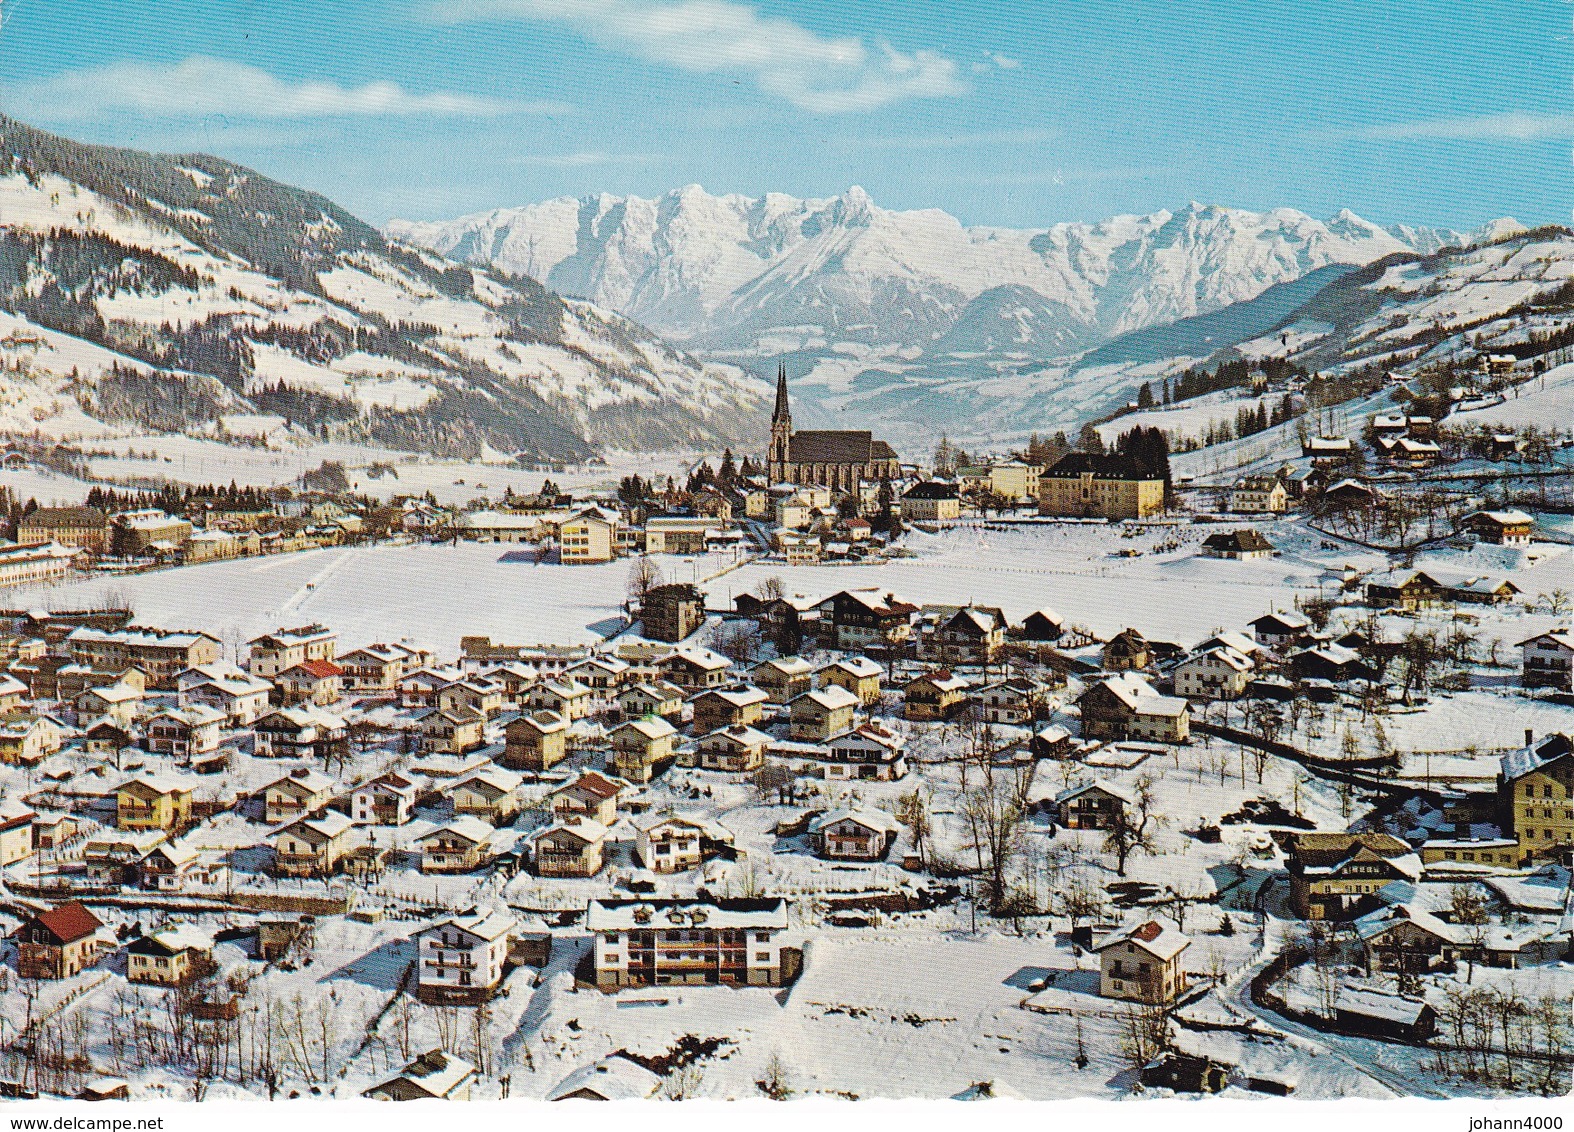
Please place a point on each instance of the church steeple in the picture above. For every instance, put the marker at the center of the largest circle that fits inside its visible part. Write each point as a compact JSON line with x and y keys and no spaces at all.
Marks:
{"x":782,"y":413}
{"x":781,"y":431}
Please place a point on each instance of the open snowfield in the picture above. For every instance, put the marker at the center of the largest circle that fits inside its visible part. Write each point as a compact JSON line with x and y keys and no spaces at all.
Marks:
{"x":184,"y":459}
{"x":429,"y":594}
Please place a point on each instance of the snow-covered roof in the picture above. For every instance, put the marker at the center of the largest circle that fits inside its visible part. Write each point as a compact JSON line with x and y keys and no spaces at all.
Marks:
{"x":741,"y":696}
{"x":832,"y":697}
{"x":499,"y":779}
{"x":877,"y":820}
{"x":859,"y":667}
{"x":1378,"y":1004}
{"x":1510,"y":518}
{"x":484,"y":923}
{"x":1156,"y":935}
{"x":436,"y":1072}
{"x":467,"y":826}
{"x":1097,"y":784}
{"x":1532,"y":757}
{"x":650,"y":726}
{"x":612,"y":1078}
{"x":761,"y":914}
{"x":583,"y":828}
{"x":308,"y":779}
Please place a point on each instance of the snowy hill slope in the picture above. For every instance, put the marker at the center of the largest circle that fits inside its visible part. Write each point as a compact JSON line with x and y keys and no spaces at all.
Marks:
{"x":146,"y":291}
{"x":1498,"y":296}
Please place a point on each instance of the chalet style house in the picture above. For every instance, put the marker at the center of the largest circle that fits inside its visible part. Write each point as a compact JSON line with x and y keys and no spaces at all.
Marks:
{"x":870,"y":752}
{"x":592,"y":796}
{"x":1126,"y":706}
{"x":1125,"y":651}
{"x":670,"y":843}
{"x":458,"y":847}
{"x":1547,"y":660}
{"x":1218,"y":674}
{"x":655,"y":697}
{"x":1335,"y":876}
{"x":737,"y":706}
{"x":59,"y":943}
{"x":865,"y":619}
{"x":858,"y":674}
{"x":853,"y":834}
{"x":1242,"y":545}
{"x":172,"y":957}
{"x":570,"y":847}
{"x":436,"y":1075}
{"x":313,"y":846}
{"x":388,"y":799}
{"x":490,"y":793}
{"x":461,"y":961}
{"x":301,"y":792}
{"x":152,"y":802}
{"x":1093,"y":805}
{"x":822,"y":713}
{"x":732,"y":750}
{"x":1504,"y":528}
{"x":936,"y":697}
{"x":954,"y":635}
{"x":837,"y":460}
{"x":643,"y":749}
{"x":782,"y":678}
{"x":1277,"y":629}
{"x":1041,"y":626}
{"x":672,"y":942}
{"x":1143,"y":963}
{"x":535,"y":742}
{"x":695,"y":669}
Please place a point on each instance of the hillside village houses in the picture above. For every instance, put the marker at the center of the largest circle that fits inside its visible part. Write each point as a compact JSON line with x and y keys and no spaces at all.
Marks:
{"x":634,"y":784}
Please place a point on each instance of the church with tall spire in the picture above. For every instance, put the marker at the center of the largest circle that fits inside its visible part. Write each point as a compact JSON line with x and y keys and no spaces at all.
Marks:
{"x":838,"y":459}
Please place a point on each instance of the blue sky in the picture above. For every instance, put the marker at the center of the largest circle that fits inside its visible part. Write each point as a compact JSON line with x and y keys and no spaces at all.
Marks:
{"x":1018,"y":114}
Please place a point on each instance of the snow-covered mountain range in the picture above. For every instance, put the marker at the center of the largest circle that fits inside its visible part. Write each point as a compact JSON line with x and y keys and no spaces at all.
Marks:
{"x":739,"y":276}
{"x":156,"y":292}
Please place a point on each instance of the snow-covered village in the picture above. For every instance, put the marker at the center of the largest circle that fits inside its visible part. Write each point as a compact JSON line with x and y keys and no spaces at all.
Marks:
{"x":764,"y":647}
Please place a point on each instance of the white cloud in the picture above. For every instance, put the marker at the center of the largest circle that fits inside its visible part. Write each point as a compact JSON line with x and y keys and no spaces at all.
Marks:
{"x":815,"y":73}
{"x":1004,"y":62}
{"x":200,"y":87}
{"x":1513,"y":125}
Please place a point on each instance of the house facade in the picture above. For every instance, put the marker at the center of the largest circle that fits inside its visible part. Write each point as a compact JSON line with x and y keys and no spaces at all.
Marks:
{"x":676,"y":942}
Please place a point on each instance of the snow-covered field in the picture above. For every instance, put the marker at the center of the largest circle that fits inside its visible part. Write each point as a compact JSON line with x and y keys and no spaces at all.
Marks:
{"x":429,"y":594}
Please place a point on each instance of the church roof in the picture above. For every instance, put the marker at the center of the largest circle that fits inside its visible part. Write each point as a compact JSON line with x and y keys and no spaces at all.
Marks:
{"x":838,"y":447}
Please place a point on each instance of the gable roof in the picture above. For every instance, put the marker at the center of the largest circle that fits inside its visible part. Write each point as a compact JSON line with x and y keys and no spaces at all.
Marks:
{"x":612,"y":1078}
{"x":594,"y":783}
{"x":848,"y":446}
{"x":68,"y":923}
{"x":1533,"y":756}
{"x":1158,"y":937}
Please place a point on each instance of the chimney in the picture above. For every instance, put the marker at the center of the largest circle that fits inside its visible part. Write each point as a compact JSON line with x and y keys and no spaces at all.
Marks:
{"x":1530,"y":736}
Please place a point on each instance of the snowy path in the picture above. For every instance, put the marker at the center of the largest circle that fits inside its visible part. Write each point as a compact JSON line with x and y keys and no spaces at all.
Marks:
{"x":1353,"y":1052}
